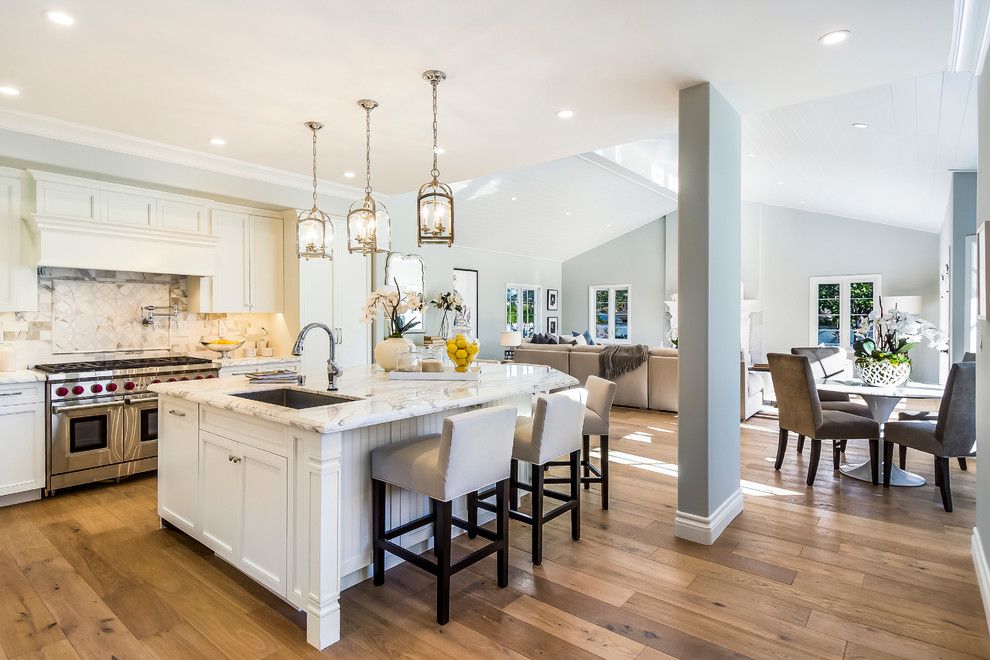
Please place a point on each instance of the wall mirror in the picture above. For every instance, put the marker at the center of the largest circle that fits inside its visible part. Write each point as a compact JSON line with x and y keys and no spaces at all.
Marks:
{"x":410,"y":272}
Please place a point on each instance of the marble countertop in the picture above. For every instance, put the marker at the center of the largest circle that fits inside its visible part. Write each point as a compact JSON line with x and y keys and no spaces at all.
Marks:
{"x":379,"y":400}
{"x":21,"y":376}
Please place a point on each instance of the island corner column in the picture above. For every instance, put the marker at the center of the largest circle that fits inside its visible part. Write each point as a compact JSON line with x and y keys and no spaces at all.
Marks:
{"x":319,"y":489}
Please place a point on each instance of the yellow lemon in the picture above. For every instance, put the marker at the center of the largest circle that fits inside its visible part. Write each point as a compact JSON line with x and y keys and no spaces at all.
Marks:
{"x":461,"y":353}
{"x":461,"y":343}
{"x":472,"y":349}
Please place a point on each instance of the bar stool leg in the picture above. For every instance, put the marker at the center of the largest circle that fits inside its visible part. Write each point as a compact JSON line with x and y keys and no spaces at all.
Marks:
{"x":433,"y":515}
{"x":502,"y":530}
{"x":443,"y":523}
{"x":576,"y":497}
{"x":378,"y":529}
{"x":537,"y":513}
{"x":604,"y":466}
{"x":472,"y":511}
{"x":587,"y":459}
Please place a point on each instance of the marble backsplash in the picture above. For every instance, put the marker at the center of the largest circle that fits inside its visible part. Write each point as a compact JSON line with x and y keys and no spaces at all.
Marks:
{"x":98,"y":313}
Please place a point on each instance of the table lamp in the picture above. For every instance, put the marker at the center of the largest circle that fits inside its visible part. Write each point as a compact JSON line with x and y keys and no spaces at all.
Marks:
{"x":510,"y":339}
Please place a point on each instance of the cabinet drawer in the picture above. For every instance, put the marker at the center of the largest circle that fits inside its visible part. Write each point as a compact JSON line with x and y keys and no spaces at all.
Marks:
{"x":13,"y":394}
{"x":245,"y":429}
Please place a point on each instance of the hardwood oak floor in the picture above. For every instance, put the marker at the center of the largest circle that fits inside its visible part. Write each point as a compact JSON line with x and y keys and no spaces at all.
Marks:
{"x":841,"y":570}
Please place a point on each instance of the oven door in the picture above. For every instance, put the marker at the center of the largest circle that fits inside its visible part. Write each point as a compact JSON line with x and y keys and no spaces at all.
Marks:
{"x":141,"y":428}
{"x":86,"y":436}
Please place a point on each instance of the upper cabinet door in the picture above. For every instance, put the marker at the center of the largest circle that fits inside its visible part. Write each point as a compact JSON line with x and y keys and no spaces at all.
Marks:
{"x":182,"y":216}
{"x":18,"y":279}
{"x":266,"y":264}
{"x":231,"y":287}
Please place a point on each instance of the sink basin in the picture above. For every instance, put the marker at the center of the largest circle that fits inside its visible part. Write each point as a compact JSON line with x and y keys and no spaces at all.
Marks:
{"x":295,"y":399}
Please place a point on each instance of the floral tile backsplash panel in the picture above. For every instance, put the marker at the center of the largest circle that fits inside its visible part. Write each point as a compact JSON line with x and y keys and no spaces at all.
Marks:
{"x":90,"y":317}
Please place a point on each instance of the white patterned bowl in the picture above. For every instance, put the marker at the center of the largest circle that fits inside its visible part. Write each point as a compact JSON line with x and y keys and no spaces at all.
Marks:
{"x":883,"y":373}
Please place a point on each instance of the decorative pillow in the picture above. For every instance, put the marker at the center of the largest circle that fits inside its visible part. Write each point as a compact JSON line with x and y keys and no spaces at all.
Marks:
{"x":588,"y":339}
{"x":538,"y":339}
{"x":567,"y":340}
{"x":552,"y":338}
{"x":579,"y":340}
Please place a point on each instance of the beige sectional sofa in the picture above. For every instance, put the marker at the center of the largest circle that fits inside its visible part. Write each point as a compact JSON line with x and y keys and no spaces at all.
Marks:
{"x":653,"y":385}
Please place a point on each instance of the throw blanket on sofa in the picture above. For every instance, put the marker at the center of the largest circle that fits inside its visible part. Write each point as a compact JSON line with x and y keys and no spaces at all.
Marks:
{"x":614,"y":361}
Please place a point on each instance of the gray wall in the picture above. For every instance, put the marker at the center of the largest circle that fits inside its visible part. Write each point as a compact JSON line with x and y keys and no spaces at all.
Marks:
{"x":983,"y":359}
{"x":495,"y":270}
{"x":635,"y":258}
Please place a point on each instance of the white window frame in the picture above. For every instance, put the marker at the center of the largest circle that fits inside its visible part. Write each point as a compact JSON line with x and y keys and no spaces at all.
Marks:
{"x":592,"y":290}
{"x":537,"y":302}
{"x":844,"y":282}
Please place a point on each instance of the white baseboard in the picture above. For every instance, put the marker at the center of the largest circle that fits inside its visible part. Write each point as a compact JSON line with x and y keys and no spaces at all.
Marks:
{"x":706,"y":529}
{"x":982,"y":572}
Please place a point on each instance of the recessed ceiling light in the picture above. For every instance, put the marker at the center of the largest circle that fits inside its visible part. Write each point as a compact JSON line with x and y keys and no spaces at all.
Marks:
{"x":217,"y":141}
{"x":514,"y":198}
{"x":6,"y":90}
{"x":349,"y":174}
{"x":750,"y":155}
{"x":834,"y":37}
{"x":567,"y":212}
{"x":780,"y":183}
{"x":439,"y":150}
{"x":59,"y":17}
{"x":565,"y":114}
{"x":859,"y":124}
{"x":607,"y":226}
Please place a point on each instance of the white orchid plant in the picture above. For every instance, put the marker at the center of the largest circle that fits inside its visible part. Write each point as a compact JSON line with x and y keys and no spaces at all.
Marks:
{"x":448,"y":301}
{"x":890,"y":335}
{"x":394,"y":304}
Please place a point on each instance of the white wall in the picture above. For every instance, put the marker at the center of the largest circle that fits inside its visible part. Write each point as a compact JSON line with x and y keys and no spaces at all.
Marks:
{"x":495,"y":270}
{"x":643,"y":248}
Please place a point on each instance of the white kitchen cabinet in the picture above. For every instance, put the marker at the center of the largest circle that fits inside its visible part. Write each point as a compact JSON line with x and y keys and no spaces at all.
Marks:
{"x":249,"y":265}
{"x":244,"y":494}
{"x":265,"y":263}
{"x":22,"y":438}
{"x":183,"y":216}
{"x":178,"y":463}
{"x":124,"y":208}
{"x":18,"y":281}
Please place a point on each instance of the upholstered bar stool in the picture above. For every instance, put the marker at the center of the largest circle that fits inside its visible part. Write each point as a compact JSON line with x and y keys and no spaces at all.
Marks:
{"x":554,"y":430}
{"x":473,"y":451}
{"x":600,"y":394}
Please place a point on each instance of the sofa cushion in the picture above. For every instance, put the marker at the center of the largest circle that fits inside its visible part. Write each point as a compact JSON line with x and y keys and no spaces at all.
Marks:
{"x":587,"y":336}
{"x":663,"y":379}
{"x":664,"y":352}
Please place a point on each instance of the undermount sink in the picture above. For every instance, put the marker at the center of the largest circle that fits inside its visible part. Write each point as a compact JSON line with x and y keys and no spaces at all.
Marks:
{"x":295,"y":399}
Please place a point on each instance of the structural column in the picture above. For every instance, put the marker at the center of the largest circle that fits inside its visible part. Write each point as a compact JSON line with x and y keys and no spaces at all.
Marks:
{"x":708,"y":246}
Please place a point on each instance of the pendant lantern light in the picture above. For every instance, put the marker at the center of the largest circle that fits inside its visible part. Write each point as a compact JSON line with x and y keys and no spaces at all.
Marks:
{"x":368,"y":229}
{"x":314,"y":230}
{"x":435,"y":202}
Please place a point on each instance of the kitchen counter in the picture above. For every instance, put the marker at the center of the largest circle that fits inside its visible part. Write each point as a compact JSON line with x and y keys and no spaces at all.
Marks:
{"x":284,"y":495}
{"x":21,"y":376}
{"x":380,"y":400}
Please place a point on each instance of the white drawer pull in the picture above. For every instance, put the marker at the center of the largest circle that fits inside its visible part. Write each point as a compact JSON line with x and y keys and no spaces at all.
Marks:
{"x":11,"y":393}
{"x":176,"y":413}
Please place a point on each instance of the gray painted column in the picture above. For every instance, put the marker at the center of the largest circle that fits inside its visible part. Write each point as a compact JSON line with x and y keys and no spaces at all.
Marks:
{"x":708,"y":244}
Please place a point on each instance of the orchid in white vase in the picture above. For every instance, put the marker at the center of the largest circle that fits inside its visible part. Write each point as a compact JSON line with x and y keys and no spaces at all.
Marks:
{"x":883,"y":343}
{"x":394,"y":304}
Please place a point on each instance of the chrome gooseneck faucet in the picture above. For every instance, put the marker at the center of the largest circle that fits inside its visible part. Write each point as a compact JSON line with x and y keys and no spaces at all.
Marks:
{"x":333,"y":371}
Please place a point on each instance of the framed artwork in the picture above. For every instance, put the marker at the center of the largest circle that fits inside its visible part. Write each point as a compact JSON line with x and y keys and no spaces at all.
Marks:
{"x":552,"y":325}
{"x":982,"y":283}
{"x":552,"y":296}
{"x":466,"y":284}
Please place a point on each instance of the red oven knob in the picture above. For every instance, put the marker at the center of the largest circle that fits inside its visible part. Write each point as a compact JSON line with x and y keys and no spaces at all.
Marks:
{"x":198,"y":378}
{"x":96,"y":388}
{"x":129,"y":385}
{"x":155,"y":381}
{"x":111,"y":387}
{"x":210,"y":376}
{"x":62,"y":391}
{"x":78,"y":389}
{"x":184,"y":378}
{"x":171,"y":380}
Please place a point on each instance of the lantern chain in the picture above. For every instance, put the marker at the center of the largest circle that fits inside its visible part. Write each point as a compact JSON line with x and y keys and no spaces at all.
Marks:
{"x":436,"y":171}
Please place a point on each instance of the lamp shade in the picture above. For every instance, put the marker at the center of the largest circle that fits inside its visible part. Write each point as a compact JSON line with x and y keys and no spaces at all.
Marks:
{"x":510,"y":338}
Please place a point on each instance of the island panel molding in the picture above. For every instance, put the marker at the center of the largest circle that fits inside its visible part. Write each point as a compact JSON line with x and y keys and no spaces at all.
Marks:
{"x":285,"y":495}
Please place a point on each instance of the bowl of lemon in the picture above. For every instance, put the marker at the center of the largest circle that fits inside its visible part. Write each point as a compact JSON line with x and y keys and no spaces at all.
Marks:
{"x":222,"y":345}
{"x":462,"y":349}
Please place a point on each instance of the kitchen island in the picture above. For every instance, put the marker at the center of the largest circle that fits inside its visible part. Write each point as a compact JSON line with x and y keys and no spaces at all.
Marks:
{"x":275,"y":478}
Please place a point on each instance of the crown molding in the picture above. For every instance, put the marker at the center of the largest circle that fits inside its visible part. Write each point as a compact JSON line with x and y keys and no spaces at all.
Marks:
{"x":970,"y":35}
{"x":66,"y":131}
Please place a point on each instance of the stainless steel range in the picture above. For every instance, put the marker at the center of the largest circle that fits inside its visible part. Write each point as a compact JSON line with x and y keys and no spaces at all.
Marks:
{"x":103,"y":421}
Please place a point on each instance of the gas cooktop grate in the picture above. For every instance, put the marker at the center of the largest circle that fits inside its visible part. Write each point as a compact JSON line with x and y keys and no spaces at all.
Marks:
{"x":116,"y":365}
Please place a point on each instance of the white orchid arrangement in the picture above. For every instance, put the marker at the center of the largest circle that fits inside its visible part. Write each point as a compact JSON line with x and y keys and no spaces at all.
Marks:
{"x":890,"y":335}
{"x":448,"y":301}
{"x":394,"y":304}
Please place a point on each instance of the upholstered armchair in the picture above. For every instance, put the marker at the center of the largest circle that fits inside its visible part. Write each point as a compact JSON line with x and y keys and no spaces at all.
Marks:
{"x":951,"y":435}
{"x":800,"y":411}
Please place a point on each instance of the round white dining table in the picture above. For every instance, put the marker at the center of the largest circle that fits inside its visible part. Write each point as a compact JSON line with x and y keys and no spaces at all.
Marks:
{"x":882,"y":401}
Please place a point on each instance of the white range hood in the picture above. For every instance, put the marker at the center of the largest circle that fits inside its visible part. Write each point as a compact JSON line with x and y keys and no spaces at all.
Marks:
{"x":81,"y":223}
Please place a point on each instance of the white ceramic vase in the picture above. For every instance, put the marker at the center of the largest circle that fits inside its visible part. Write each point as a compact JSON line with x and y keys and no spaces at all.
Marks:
{"x":883,"y":373}
{"x":387,"y":349}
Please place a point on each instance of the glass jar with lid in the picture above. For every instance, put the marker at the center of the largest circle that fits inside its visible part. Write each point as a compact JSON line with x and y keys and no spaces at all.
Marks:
{"x":462,"y":345}
{"x":409,"y":360}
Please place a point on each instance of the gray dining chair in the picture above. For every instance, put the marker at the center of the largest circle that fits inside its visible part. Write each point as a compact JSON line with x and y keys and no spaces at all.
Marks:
{"x":800,"y":411}
{"x":951,"y":435}
{"x":828,"y":362}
